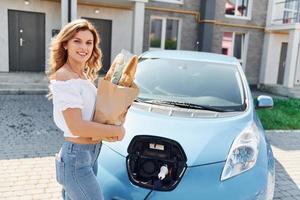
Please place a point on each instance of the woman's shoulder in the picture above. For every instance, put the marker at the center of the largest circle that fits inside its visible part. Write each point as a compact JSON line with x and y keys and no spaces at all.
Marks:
{"x":64,"y":77}
{"x":62,"y":74}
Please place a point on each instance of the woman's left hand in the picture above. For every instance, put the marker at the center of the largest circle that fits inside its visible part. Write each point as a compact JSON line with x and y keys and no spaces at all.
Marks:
{"x":110,"y":139}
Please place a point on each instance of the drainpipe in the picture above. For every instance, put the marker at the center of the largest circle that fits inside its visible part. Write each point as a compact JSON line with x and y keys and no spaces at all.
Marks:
{"x":68,"y":11}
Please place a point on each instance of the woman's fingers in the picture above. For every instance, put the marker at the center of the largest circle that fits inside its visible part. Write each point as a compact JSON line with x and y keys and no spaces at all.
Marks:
{"x":111,"y":139}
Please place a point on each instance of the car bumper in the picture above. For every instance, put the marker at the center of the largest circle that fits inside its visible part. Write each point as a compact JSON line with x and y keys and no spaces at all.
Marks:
{"x":199,"y":182}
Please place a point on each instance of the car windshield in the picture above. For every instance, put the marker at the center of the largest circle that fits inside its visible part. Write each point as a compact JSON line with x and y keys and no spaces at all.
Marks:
{"x":190,"y":83}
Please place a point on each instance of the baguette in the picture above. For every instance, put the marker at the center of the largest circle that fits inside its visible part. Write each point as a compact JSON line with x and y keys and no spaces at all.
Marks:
{"x":119,"y":60}
{"x":128,"y":74}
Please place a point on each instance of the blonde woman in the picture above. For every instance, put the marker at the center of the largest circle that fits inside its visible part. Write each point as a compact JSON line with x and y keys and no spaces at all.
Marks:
{"x":75,"y":61}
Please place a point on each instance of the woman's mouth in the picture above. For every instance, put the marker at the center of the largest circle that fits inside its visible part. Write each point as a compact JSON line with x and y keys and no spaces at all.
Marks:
{"x":82,"y":54}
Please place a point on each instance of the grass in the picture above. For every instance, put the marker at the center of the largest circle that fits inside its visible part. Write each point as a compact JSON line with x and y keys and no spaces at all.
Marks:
{"x":285,"y":115}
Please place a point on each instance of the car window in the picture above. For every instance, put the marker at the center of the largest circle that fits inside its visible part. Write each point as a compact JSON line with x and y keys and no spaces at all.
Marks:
{"x":202,"y":83}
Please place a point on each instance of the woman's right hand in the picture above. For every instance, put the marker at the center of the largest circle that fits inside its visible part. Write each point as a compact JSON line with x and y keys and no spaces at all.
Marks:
{"x":120,"y":130}
{"x":120,"y":133}
{"x":117,"y":134}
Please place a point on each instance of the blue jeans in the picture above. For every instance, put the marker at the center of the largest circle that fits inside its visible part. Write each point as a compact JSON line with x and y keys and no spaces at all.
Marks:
{"x":76,"y":170}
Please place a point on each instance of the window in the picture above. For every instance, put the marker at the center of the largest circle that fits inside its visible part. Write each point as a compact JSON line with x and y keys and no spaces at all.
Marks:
{"x":234,"y":44}
{"x":238,"y":8}
{"x":191,"y":82}
{"x":291,"y":12}
{"x":164,"y":33}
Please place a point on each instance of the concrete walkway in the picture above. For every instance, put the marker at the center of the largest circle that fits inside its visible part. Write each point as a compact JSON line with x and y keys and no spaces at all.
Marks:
{"x":286,"y":149}
{"x":23,"y":83}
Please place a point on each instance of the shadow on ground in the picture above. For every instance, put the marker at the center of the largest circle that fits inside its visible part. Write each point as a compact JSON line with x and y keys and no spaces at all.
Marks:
{"x":27,"y":129}
{"x":285,"y":140}
{"x":285,"y":187}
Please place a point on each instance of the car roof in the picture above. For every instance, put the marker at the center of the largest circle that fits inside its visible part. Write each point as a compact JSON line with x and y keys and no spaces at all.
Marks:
{"x":190,"y":55}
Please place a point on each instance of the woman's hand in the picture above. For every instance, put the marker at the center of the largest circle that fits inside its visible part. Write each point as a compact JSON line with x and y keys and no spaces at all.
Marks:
{"x":121,"y":133}
{"x":110,"y":139}
{"x":119,"y":137}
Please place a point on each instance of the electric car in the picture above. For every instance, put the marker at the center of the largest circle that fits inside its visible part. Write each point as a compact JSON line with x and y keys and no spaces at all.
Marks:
{"x":192,"y":133}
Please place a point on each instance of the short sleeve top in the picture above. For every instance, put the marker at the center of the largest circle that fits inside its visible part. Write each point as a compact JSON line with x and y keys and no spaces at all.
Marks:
{"x":73,"y":93}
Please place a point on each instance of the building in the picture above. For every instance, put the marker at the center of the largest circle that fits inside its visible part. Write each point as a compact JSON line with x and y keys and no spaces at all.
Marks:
{"x":169,"y":24}
{"x":262,"y":34}
{"x":32,"y":23}
{"x":280,"y":68}
{"x":236,"y":28}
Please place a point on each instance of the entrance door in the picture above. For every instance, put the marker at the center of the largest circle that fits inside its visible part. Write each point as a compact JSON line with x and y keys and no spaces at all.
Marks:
{"x":26,"y":41}
{"x":297,"y":75}
{"x":282,"y":63}
{"x":104,"y":29}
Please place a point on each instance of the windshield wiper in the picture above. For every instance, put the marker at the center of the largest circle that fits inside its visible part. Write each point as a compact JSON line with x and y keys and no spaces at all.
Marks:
{"x":181,"y":105}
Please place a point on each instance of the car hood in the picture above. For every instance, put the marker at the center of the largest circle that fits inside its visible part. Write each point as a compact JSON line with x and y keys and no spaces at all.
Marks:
{"x":204,"y":139}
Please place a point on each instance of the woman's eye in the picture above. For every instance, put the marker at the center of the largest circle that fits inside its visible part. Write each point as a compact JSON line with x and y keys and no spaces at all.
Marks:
{"x":77,"y":41}
{"x":89,"y":43}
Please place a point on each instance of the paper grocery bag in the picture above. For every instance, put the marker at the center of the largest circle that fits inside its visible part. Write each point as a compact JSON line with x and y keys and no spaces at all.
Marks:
{"x":113,"y":101}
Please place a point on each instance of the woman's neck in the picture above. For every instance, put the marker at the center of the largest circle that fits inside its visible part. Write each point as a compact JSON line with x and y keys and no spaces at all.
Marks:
{"x":76,"y":67}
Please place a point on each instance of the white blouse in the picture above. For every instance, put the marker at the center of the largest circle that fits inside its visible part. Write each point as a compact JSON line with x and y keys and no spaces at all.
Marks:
{"x":73,"y":93}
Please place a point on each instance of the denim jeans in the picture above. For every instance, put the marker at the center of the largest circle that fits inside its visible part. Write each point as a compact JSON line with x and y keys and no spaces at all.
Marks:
{"x":76,"y":170}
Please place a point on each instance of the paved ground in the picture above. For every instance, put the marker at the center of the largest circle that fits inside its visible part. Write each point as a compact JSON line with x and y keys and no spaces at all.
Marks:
{"x":286,"y":149}
{"x":23,"y":83}
{"x":29,"y":140}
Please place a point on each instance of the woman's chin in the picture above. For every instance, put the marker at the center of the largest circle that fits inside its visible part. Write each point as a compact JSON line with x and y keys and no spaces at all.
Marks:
{"x":80,"y":60}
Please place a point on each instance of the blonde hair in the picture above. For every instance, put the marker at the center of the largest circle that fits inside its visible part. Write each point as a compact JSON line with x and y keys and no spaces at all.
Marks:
{"x":58,"y":55}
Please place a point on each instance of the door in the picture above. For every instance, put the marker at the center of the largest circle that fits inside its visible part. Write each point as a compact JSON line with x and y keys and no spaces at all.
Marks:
{"x":26,"y":41}
{"x":104,"y":30}
{"x":282,"y":62}
{"x":297,"y":75}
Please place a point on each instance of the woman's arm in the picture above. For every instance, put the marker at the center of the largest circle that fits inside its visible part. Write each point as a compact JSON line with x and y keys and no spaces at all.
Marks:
{"x":82,"y":128}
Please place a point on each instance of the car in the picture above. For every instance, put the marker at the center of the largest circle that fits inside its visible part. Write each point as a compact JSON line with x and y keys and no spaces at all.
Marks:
{"x":192,"y":133}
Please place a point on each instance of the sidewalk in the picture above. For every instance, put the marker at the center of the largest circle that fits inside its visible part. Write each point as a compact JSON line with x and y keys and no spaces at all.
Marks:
{"x":23,"y":83}
{"x":286,"y":150}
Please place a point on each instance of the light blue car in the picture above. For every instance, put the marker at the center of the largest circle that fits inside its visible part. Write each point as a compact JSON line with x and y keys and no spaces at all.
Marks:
{"x":192,"y":133}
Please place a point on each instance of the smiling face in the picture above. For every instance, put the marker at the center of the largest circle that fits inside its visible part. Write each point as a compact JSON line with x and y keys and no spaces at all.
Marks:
{"x":80,"y":47}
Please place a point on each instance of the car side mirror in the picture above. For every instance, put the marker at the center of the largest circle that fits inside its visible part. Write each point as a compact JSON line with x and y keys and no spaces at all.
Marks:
{"x":264,"y":101}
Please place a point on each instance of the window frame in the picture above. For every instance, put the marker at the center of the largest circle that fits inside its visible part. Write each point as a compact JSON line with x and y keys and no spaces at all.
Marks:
{"x":292,"y":10}
{"x":244,"y":47}
{"x":249,"y":11}
{"x":163,"y":32}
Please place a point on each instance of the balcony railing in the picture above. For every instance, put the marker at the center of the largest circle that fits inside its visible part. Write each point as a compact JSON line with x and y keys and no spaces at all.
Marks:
{"x":286,"y":12}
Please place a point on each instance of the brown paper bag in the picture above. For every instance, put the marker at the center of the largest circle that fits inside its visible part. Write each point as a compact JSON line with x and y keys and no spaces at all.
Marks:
{"x":113,"y":102}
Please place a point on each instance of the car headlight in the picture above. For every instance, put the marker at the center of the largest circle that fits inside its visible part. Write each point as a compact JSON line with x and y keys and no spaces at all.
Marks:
{"x":243,"y":153}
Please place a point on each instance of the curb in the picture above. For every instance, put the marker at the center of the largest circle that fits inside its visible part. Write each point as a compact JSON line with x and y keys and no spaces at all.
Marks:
{"x":282,"y":131}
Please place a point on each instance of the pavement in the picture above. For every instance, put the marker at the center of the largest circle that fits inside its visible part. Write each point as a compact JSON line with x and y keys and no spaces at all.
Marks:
{"x":30,"y":139}
{"x":23,"y":83}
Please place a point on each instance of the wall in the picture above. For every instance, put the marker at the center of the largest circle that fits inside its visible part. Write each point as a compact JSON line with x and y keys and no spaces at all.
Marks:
{"x":270,"y":62}
{"x":121,"y":25}
{"x":189,"y":25}
{"x":52,"y":21}
{"x":255,"y":35}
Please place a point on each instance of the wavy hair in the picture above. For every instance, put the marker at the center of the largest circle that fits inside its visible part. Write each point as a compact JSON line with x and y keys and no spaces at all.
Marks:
{"x":59,"y":56}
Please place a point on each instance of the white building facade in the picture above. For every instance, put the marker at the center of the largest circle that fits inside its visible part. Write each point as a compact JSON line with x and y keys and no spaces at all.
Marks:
{"x":280,"y":67}
{"x":29,"y":25}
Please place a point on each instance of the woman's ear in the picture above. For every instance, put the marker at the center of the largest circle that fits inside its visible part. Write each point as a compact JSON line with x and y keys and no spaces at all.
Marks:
{"x":65,"y":46}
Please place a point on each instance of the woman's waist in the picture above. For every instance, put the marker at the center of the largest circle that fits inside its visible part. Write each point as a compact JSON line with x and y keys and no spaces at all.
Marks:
{"x":82,"y":140}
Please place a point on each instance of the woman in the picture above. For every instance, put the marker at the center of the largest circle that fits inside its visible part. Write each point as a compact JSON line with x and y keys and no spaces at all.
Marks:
{"x":74,"y":63}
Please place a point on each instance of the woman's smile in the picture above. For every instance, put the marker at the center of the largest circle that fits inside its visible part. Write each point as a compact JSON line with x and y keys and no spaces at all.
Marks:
{"x":83,"y":54}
